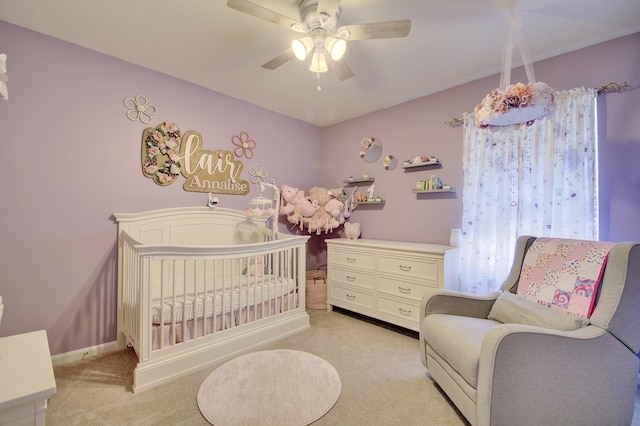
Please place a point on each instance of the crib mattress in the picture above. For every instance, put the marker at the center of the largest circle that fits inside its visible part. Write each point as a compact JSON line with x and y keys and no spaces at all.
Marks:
{"x":168,"y":308}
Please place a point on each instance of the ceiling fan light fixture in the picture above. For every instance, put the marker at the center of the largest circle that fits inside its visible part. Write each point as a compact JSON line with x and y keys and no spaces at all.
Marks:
{"x":318,"y":63}
{"x":336,"y":47}
{"x":301,"y":47}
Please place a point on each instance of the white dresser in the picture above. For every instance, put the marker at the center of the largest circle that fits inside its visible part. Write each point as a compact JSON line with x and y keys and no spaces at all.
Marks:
{"x":26,"y":378}
{"x":386,"y":279}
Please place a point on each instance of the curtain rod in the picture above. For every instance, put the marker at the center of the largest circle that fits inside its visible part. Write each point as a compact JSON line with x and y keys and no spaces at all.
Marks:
{"x":606,"y":88}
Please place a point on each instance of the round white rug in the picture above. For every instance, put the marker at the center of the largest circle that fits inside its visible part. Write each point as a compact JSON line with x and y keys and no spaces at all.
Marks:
{"x":278,"y":387}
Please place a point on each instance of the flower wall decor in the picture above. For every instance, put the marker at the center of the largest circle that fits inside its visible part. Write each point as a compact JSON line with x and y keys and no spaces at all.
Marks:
{"x":167,"y":153}
{"x":160,"y":153}
{"x":244,"y":145}
{"x":139,"y":109}
{"x":257,"y":174}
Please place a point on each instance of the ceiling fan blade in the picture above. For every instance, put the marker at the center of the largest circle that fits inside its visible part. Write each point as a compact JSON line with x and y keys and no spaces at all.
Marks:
{"x":265,"y":14}
{"x":279,"y":60}
{"x":374,"y":30}
{"x":341,"y":69}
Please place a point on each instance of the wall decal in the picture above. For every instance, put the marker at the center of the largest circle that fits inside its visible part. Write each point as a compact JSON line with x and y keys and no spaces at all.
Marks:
{"x":210,"y":171}
{"x":166,"y":154}
{"x":160,"y":148}
{"x":244,"y":145}
{"x":139,"y":109}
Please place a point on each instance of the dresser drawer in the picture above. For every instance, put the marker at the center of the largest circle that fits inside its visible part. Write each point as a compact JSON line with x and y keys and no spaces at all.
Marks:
{"x":405,"y":311}
{"x":353,"y":297}
{"x":405,"y":289}
{"x":423,"y":268}
{"x":352,"y":277}
{"x":351,"y":258}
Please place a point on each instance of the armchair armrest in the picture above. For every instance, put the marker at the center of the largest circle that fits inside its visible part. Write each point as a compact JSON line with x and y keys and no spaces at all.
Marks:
{"x":440,"y":301}
{"x":530,"y":375}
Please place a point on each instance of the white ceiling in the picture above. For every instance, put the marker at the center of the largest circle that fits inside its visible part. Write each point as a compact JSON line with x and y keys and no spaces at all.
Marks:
{"x":205,"y":42}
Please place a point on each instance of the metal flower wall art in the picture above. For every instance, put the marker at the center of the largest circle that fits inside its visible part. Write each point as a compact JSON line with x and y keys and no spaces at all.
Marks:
{"x":244,"y":145}
{"x":139,"y":108}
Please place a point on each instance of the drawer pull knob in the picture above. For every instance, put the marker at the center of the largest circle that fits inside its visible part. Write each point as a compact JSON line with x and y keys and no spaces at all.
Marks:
{"x":405,"y":268}
{"x":349,"y":278}
{"x":404,"y":290}
{"x":351,"y":259}
{"x":405,"y":311}
{"x":350,"y":297}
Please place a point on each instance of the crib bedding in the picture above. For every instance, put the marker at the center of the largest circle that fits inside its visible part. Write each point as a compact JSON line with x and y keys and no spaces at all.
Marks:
{"x":168,"y":308}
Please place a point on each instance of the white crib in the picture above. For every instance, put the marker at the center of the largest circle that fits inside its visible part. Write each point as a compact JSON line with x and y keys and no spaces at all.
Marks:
{"x":198,"y":285}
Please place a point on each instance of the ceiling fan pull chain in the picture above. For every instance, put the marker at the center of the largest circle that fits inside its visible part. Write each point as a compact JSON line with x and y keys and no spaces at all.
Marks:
{"x":318,"y":87}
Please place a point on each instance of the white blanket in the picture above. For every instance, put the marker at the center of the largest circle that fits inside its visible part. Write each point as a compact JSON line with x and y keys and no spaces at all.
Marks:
{"x":249,"y":291}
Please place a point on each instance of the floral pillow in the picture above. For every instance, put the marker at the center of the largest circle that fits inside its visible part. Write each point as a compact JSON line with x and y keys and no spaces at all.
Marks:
{"x":564,"y":274}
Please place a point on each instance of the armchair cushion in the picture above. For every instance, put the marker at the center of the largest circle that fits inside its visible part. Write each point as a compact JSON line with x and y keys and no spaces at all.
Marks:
{"x":511,"y":308}
{"x":458,"y":339}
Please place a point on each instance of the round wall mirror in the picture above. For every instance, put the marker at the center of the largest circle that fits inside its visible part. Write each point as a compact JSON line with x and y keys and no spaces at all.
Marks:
{"x":370,"y":149}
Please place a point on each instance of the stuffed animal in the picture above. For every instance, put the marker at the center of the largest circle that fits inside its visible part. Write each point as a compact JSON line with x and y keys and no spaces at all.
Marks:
{"x":321,"y":219}
{"x":308,"y":208}
{"x":254,"y":268}
{"x":319,"y":194}
{"x":320,"y":210}
{"x":334,"y":208}
{"x":289,"y":196}
{"x":352,"y":230}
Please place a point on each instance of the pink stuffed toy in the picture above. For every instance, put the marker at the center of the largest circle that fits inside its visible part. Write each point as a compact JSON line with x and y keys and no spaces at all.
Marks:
{"x":254,"y":269}
{"x":289,"y":196}
{"x":352,"y":230}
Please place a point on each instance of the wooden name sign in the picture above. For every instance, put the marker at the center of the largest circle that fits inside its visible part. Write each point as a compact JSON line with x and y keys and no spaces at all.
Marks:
{"x":166,"y":154}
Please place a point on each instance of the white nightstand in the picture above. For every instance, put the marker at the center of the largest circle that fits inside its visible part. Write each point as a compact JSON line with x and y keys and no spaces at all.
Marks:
{"x":26,"y":378}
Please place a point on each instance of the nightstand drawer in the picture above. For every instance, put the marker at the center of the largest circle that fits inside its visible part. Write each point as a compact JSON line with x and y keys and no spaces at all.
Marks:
{"x":354,"y":297}
{"x":405,"y":311}
{"x":424,"y":268}
{"x":352,"y":258}
{"x":351,"y":277}
{"x":400,"y":288}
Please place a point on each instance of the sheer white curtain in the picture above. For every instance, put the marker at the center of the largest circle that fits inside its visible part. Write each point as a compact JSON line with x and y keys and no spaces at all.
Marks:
{"x":539,"y":180}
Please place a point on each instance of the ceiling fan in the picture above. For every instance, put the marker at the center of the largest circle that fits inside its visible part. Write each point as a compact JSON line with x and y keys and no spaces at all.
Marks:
{"x":324,"y":40}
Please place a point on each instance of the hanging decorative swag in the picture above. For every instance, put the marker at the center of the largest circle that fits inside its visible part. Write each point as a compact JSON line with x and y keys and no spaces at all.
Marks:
{"x":515,"y":104}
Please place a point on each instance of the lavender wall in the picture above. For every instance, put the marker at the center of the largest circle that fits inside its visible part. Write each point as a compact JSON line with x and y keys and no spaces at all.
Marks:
{"x":417,"y":128}
{"x":72,"y":159}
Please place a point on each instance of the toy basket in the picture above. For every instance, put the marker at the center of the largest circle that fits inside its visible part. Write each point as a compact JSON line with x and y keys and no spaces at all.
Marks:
{"x":316,"y":289}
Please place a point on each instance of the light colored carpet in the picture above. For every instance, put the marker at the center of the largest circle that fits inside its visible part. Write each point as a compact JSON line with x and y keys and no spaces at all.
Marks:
{"x":383,"y":382}
{"x":279,"y":387}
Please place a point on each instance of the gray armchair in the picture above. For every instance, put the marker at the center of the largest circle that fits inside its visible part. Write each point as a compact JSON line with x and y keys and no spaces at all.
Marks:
{"x":522,"y":374}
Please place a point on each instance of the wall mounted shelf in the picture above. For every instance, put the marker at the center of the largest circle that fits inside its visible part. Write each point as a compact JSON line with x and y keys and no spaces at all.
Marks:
{"x":359,"y":180}
{"x":360,"y":203}
{"x":434,"y":162}
{"x":430,"y":191}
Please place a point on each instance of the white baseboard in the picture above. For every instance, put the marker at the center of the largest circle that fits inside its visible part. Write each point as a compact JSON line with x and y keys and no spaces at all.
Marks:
{"x":80,"y":354}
